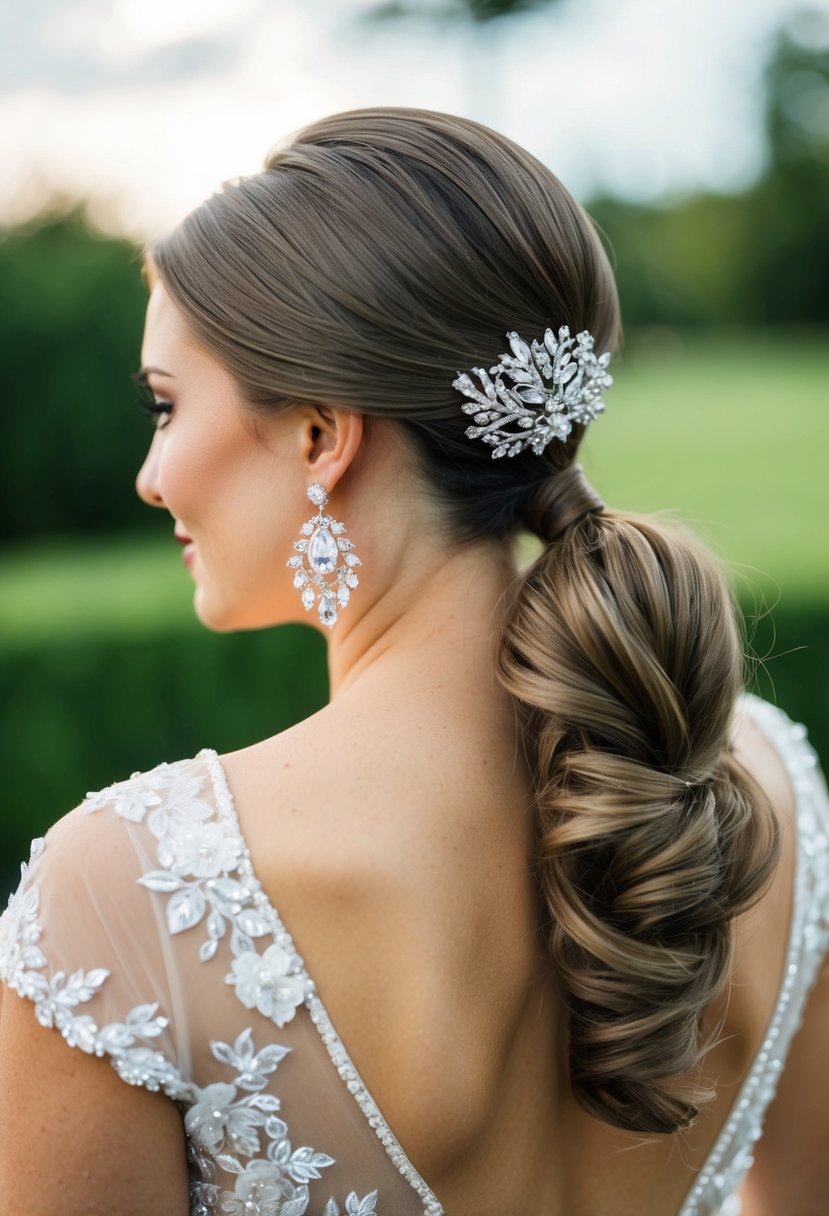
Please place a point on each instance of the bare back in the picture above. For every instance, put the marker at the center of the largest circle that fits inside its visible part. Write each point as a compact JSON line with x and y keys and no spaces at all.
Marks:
{"x":411,"y":1060}
{"x":400,"y":867}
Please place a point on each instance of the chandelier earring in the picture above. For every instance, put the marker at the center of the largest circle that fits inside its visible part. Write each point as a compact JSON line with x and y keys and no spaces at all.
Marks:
{"x":323,"y":550}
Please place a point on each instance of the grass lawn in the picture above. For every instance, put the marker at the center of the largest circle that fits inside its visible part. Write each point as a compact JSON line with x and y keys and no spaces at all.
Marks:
{"x":729,"y":431}
{"x":134,"y":585}
{"x":733,"y":434}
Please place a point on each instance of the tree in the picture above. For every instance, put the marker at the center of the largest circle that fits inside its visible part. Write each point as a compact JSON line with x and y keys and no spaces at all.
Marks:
{"x":72,"y":304}
{"x":759,"y":257}
{"x":484,"y":21}
{"x":477,"y":11}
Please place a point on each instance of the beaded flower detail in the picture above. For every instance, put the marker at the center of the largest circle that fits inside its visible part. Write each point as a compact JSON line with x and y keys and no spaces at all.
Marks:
{"x":323,"y":546}
{"x":555,"y":383}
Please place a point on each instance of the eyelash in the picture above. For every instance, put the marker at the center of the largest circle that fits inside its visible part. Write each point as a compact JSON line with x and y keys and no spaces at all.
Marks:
{"x":148,"y":405}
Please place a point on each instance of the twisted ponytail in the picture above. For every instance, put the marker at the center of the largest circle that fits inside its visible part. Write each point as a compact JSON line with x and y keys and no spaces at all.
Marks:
{"x":623,"y":653}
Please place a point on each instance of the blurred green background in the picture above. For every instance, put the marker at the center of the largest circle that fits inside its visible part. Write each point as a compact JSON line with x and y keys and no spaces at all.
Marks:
{"x":718,"y":414}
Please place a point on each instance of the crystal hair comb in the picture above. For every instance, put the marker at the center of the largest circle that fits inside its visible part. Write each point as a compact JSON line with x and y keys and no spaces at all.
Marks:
{"x":555,"y":383}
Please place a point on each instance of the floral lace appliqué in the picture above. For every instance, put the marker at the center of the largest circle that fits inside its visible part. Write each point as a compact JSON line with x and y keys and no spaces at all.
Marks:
{"x":264,"y":982}
{"x":19,"y":926}
{"x":229,"y":1120}
{"x":231,"y":1125}
{"x":354,"y":1206}
{"x":198,"y":858}
{"x":57,"y":998}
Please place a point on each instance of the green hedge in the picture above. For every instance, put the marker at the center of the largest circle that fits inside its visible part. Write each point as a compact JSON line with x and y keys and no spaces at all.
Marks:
{"x":78,"y":714}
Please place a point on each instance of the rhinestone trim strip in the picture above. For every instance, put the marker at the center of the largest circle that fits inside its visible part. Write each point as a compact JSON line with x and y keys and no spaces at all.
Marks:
{"x":319,"y":1015}
{"x":808,"y":934}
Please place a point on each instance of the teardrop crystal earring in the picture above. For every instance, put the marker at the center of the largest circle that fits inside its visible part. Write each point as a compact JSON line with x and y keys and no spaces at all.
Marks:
{"x":322,"y":543}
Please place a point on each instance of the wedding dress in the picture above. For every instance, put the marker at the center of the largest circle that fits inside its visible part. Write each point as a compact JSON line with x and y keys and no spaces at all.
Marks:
{"x":140,"y":931}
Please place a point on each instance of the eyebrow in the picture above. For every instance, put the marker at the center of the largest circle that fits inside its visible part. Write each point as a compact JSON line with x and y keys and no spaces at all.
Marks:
{"x":156,"y":371}
{"x":140,"y":377}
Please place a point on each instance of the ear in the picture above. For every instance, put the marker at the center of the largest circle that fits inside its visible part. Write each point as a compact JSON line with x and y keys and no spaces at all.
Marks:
{"x":331,"y":438}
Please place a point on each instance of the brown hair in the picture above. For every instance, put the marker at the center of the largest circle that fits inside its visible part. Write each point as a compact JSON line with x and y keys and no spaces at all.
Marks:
{"x":377,"y":254}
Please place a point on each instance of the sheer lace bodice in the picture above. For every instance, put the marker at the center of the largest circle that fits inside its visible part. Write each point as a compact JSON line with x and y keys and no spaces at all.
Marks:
{"x":141,"y":932}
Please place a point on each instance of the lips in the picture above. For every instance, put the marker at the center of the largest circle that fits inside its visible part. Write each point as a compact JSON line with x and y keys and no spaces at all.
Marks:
{"x":189,"y":547}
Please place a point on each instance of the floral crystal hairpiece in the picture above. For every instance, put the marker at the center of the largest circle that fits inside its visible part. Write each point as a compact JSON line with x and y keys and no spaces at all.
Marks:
{"x":554,"y":384}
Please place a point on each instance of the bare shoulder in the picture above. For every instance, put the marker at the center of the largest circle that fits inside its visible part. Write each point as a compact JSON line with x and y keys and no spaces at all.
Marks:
{"x":365,"y":789}
{"x":76,"y":1139}
{"x":761,"y":933}
{"x":368,"y":825}
{"x":791,"y":1169}
{"x":336,"y":813}
{"x":757,"y":752}
{"x":67,"y":940}
{"x":397,"y":860}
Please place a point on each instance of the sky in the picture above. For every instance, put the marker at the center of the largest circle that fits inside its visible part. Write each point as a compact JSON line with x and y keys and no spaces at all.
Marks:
{"x":146,"y":106}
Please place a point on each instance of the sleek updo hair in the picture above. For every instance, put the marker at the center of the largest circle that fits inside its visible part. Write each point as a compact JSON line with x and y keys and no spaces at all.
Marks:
{"x":379,"y":253}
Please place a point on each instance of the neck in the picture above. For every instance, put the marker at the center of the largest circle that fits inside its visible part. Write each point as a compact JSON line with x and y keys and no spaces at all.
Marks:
{"x":436,"y":619}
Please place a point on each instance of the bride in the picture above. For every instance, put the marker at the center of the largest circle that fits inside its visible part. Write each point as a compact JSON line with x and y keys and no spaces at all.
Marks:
{"x":524,"y":920}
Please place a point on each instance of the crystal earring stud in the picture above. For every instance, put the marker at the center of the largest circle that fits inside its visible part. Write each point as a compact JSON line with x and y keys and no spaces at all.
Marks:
{"x":322,"y":546}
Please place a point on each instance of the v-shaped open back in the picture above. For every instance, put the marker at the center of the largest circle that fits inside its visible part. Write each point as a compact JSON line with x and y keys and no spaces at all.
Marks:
{"x":143,"y":933}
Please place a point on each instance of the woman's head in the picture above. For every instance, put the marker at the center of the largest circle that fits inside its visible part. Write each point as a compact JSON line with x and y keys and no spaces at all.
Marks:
{"x":376,"y":255}
{"x":234,"y":490}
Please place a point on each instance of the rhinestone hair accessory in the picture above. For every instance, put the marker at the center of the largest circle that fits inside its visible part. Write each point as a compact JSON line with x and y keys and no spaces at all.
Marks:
{"x":323,"y":544}
{"x":555,"y":383}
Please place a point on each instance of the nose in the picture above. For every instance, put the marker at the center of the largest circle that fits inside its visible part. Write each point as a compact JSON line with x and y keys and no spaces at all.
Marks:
{"x":146,"y":482}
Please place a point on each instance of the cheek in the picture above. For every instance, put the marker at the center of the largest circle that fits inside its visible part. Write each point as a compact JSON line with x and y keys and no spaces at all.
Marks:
{"x":178,"y":484}
{"x":225,"y":492}
{"x":195,"y":467}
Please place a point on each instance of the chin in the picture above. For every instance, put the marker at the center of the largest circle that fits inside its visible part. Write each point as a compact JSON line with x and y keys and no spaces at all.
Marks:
{"x":231,"y":618}
{"x":217,"y":618}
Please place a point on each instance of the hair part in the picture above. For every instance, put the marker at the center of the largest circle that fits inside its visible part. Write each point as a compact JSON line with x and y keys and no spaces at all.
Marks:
{"x":376,"y":255}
